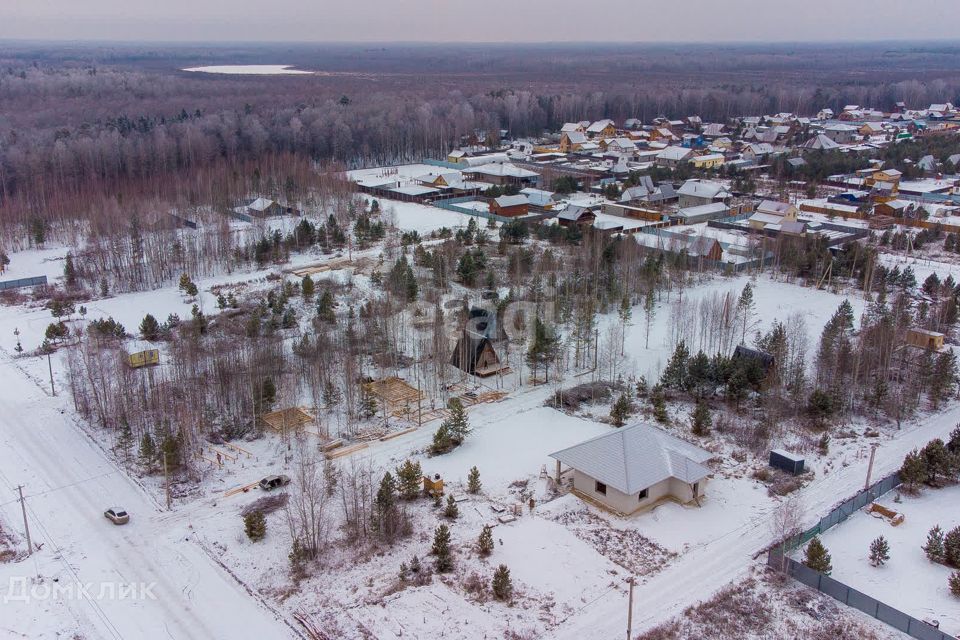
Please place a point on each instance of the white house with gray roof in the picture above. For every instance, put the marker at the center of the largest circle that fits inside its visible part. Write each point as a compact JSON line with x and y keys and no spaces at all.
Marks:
{"x":635,"y":467}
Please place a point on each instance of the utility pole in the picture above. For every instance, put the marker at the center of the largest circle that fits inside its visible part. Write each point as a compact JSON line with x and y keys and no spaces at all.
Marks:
{"x":873,"y":454}
{"x":630,"y":581}
{"x":50,"y":367}
{"x":26,"y":526}
{"x":166,"y":480}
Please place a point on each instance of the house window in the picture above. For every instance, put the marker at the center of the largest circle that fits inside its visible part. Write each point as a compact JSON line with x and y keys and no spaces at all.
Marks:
{"x":643,"y":494}
{"x":600,"y":488}
{"x":696,"y":489}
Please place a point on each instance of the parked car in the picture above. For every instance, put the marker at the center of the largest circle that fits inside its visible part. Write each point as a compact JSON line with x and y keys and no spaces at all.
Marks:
{"x":272,"y":482}
{"x":117,"y":515}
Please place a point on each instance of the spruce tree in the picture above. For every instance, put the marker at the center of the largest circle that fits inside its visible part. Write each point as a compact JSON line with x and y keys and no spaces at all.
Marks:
{"x":69,"y":271}
{"x":954,"y":582}
{"x":485,"y":541}
{"x":940,"y":462}
{"x":410,"y":477}
{"x":325,"y":308}
{"x":817,"y":557}
{"x":913,"y":471}
{"x":951,"y":548}
{"x":443,"y":561}
{"x":255,"y":525}
{"x":934,"y":545}
{"x":307,"y":287}
{"x":457,"y":424}
{"x":473,"y":481}
{"x":148,"y":448}
{"x":501,"y":584}
{"x":452,"y":511}
{"x":149,"y":328}
{"x":620,"y":410}
{"x":659,"y":403}
{"x":700,"y":419}
{"x":879,"y":551}
{"x":442,"y":442}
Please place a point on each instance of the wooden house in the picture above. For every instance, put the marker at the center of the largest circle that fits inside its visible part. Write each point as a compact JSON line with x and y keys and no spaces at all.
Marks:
{"x":510,"y":206}
{"x":474,"y":354}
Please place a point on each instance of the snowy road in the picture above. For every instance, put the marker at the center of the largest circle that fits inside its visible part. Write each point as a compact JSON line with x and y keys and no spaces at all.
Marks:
{"x":706,"y":569}
{"x":69,"y":482}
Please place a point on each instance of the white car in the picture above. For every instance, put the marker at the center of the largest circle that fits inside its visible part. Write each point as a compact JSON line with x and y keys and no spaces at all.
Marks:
{"x":117,"y":515}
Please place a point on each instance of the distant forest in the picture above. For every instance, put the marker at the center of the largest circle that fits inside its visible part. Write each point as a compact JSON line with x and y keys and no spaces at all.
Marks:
{"x":85,"y":129}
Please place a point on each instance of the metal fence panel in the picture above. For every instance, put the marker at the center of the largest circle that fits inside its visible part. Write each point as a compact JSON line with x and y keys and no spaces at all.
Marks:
{"x":838,"y":590}
{"x":923,"y":631}
{"x":834,"y":588}
{"x":893,"y":617}
{"x":861,"y":601}
{"x":23,"y":282}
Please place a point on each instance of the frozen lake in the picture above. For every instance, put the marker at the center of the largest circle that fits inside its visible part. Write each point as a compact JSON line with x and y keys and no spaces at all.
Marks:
{"x":251,"y":69}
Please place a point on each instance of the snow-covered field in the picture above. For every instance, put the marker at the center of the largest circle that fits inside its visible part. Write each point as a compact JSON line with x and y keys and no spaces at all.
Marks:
{"x":251,"y":70}
{"x":908,"y":581}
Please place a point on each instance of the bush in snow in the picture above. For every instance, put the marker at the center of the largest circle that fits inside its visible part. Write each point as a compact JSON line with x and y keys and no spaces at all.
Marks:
{"x":879,"y":551}
{"x":700,"y":420}
{"x":954,"y":582}
{"x":817,"y":557}
{"x":255,"y":526}
{"x":621,"y":410}
{"x":913,"y":471}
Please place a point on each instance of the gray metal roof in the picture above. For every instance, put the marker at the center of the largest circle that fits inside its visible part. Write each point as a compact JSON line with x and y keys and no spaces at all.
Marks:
{"x":634,"y":458}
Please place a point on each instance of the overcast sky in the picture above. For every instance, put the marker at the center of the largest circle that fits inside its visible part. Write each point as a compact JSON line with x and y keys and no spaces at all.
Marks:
{"x":478,"y":20}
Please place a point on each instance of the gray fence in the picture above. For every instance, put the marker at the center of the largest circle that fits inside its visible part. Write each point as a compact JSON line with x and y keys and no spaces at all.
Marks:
{"x":23,"y":282}
{"x":839,"y":591}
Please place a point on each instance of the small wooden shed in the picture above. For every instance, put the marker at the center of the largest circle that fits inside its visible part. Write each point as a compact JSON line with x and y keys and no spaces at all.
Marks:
{"x":925,"y":339}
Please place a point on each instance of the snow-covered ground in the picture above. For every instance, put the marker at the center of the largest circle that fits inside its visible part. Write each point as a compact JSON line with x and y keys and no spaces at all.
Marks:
{"x":69,"y":481}
{"x":908,"y":581}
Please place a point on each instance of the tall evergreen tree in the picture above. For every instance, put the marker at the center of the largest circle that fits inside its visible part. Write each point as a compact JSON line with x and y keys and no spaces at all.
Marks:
{"x":443,"y":560}
{"x":502,"y":584}
{"x":817,"y":557}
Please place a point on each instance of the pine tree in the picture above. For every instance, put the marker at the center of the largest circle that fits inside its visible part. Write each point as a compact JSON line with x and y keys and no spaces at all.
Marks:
{"x":452,"y":511}
{"x":443,"y":561}
{"x":255,"y":525}
{"x":388,"y":519}
{"x":951,"y":548}
{"x":457,"y":424}
{"x":485,"y":541}
{"x":410,"y":477}
{"x":502,"y":585}
{"x":325,"y":308}
{"x":817,"y":557}
{"x":473,"y":481}
{"x":69,"y":271}
{"x":954,"y":582}
{"x":442,"y":442}
{"x":745,"y":309}
{"x":934,"y":545}
{"x":939,"y":461}
{"x":913,"y":471}
{"x":700,"y":419}
{"x":148,"y":448}
{"x":879,"y":551}
{"x":307,"y":287}
{"x":149,"y":328}
{"x":620,"y":410}
{"x":659,"y":403}
{"x":675,"y":373}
